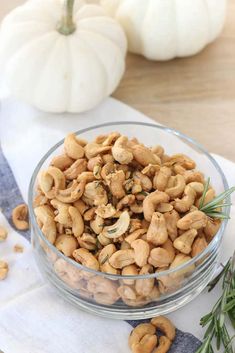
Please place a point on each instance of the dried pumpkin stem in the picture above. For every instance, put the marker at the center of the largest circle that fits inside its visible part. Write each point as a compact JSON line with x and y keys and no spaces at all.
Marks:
{"x":66,"y":25}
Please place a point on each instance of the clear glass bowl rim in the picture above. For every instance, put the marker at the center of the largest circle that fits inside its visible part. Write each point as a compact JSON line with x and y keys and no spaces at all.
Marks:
{"x":121,"y":277}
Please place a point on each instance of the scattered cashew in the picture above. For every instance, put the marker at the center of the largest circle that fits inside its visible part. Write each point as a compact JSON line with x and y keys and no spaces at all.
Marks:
{"x":143,"y":339}
{"x":20,"y":217}
{"x":165,"y":326}
{"x":3,"y":270}
{"x":164,"y":345}
{"x":3,"y":233}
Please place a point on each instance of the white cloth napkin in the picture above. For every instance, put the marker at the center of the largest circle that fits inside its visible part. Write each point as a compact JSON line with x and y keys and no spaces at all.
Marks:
{"x":33,"y":318}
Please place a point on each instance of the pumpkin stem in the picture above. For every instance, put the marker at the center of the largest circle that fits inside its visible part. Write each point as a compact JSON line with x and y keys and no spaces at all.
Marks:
{"x":66,"y":25}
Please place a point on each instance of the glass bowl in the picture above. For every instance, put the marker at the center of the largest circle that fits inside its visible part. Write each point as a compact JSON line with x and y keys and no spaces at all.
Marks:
{"x":113,"y":295}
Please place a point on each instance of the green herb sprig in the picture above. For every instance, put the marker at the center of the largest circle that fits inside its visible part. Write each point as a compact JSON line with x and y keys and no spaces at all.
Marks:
{"x":224,"y":309}
{"x":214,"y":208}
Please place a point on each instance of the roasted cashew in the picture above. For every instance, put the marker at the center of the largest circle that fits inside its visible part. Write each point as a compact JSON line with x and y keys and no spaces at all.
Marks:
{"x":20,"y":217}
{"x":168,"y":246}
{"x":185,"y":241}
{"x":157,"y":231}
{"x":67,"y":272}
{"x":144,"y":287}
{"x":143,"y":338}
{"x":66,"y":244}
{"x":86,"y":177}
{"x":121,"y":152}
{"x":192,"y":175}
{"x":107,"y":158}
{"x":93,"y":149}
{"x":122,"y":258}
{"x":136,"y":208}
{"x":106,"y":252}
{"x":97,"y":224}
{"x":164,"y":345}
{"x":106,"y":211}
{"x":86,"y":258}
{"x":124,"y":245}
{"x":118,"y":228}
{"x":73,"y":147}
{"x":61,"y":162}
{"x":171,"y":219}
{"x":89,"y":214}
{"x":47,"y":224}
{"x":182,"y":160}
{"x":81,"y":206}
{"x":159,"y":257}
{"x":150,"y":170}
{"x":50,"y":181}
{"x":164,"y":325}
{"x":197,"y":187}
{"x":177,"y":186}
{"x":87,"y":241}
{"x":193,"y":220}
{"x":164,"y":207}
{"x":151,"y":202}
{"x":198,"y":246}
{"x":111,"y":138}
{"x":179,"y":260}
{"x":161,"y":178}
{"x":95,"y":194}
{"x":103,"y":290}
{"x":3,"y":233}
{"x":125,"y":201}
{"x":40,"y":200}
{"x":211,"y":228}
{"x":115,"y":181}
{"x":77,"y":221}
{"x":94,"y":162}
{"x":130,"y":270}
{"x":210,"y":195}
{"x":107,"y":169}
{"x":158,"y":150}
{"x":142,"y":250}
{"x":104,"y":240}
{"x":78,"y":167}
{"x":3,"y":270}
{"x":63,"y":217}
{"x":135,"y":224}
{"x":144,"y":180}
{"x":72,"y":193}
{"x":135,"y":235}
{"x":183,"y":205}
{"x":144,"y":156}
{"x":107,"y":268}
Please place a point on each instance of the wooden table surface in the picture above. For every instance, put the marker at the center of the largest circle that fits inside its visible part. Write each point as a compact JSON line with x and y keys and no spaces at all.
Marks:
{"x":195,"y":95}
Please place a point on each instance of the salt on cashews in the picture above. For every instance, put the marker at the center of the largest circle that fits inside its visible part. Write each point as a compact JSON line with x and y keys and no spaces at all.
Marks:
{"x":157,"y":231}
{"x":45,"y":218}
{"x":118,"y":228}
{"x":151,"y":202}
{"x":20,"y":217}
{"x":143,"y":339}
{"x":73,"y":147}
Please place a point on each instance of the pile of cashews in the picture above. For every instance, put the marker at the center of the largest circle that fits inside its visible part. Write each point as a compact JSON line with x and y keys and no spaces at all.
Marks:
{"x":119,"y":207}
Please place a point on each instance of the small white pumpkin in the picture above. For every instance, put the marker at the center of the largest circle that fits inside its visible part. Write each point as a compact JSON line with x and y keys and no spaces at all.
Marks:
{"x":165,"y":29}
{"x":62,"y":56}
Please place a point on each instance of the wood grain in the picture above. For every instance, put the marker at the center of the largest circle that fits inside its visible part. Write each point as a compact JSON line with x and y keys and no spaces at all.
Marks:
{"x":195,"y":95}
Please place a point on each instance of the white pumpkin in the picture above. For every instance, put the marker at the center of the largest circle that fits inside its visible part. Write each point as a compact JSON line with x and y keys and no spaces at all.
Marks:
{"x":165,"y":29}
{"x":62,"y":56}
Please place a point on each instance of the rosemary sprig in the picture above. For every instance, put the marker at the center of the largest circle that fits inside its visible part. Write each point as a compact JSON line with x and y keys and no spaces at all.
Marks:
{"x":224,"y":309}
{"x":214,"y":208}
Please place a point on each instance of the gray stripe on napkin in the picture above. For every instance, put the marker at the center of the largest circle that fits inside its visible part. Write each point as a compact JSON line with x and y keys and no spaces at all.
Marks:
{"x":184,"y":342}
{"x":10,"y":195}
